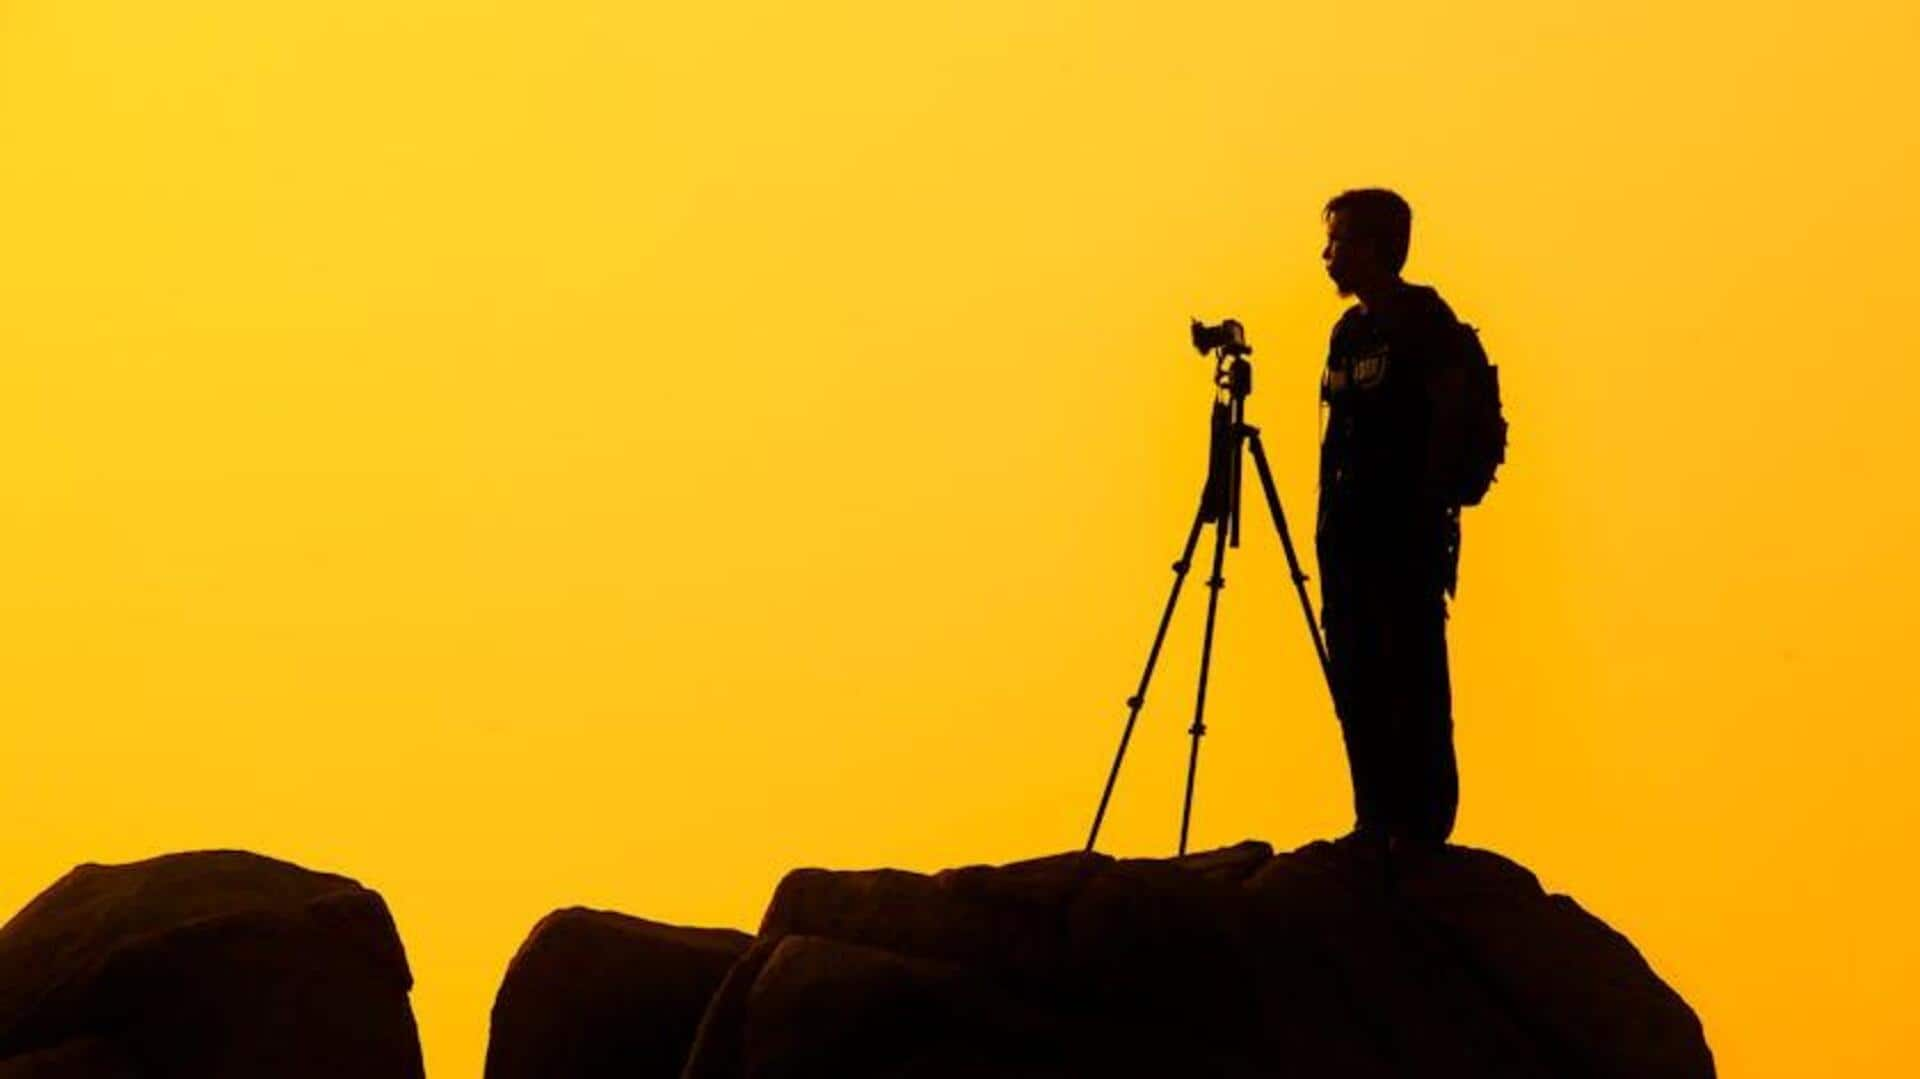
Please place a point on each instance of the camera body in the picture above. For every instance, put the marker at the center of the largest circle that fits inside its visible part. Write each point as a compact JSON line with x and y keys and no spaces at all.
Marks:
{"x":1228,"y":337}
{"x":1226,"y":341}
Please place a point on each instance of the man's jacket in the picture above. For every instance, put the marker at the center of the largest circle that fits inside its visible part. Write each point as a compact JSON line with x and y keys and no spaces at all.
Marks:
{"x":1379,"y":485}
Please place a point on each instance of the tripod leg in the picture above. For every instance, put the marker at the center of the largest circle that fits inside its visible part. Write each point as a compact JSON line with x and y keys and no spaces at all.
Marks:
{"x":1199,"y":728}
{"x":1293,"y":559}
{"x":1139,"y":697}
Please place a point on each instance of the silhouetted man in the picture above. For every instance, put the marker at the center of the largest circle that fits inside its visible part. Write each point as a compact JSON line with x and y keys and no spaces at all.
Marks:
{"x":1386,"y":538}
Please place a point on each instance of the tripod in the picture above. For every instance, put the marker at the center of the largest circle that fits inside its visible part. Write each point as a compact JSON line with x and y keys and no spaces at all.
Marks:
{"x":1219,"y":507}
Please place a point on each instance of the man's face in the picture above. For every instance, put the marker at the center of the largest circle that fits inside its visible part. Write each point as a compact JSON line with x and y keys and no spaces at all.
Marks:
{"x":1349,"y":260}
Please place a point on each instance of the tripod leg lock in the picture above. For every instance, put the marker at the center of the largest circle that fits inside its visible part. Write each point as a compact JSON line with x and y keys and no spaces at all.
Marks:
{"x":1182,"y":566}
{"x":1136,"y":701}
{"x":1216,"y":583}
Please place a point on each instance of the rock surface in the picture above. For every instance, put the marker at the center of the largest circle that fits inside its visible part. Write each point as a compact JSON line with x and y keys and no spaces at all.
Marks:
{"x":88,"y":1058}
{"x":1230,"y":963}
{"x":598,"y":995}
{"x":209,"y":965}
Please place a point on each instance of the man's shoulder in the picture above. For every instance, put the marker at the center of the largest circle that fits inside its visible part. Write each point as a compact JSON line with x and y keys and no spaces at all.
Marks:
{"x":1416,"y":313}
{"x":1426,"y":323}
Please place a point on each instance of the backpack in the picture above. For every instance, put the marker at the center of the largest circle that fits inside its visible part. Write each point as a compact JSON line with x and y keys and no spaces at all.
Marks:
{"x":1472,"y":431}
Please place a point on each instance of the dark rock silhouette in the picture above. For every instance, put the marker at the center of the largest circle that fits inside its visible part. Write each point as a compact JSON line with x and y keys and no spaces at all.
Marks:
{"x":1228,"y":963}
{"x":594,"y":994}
{"x":209,"y":965}
{"x":88,"y":1058}
{"x":1328,"y":960}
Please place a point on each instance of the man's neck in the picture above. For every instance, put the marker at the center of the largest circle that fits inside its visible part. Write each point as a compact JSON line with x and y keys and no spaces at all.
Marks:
{"x":1375,"y":297}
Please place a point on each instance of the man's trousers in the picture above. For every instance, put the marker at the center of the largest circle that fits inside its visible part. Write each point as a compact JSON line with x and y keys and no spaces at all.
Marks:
{"x":1385,"y":617}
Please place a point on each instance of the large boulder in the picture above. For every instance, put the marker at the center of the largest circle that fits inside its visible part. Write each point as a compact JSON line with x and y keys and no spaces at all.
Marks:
{"x":597,"y":995}
{"x":205,"y":965}
{"x":1330,"y":959}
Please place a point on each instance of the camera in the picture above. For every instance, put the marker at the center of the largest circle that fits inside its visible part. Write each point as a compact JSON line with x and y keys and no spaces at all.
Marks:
{"x":1227,"y":336}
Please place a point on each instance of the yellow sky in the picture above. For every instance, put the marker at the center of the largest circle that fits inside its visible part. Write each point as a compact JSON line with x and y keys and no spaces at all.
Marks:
{"x":531,"y":455}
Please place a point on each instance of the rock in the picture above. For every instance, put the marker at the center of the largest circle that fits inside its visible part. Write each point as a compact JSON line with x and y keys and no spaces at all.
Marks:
{"x":1576,"y":988}
{"x":594,"y":994}
{"x":1228,"y":865}
{"x":826,"y":1007}
{"x":88,"y":1058}
{"x":1004,"y":918}
{"x":208,"y":965}
{"x":1325,"y":960}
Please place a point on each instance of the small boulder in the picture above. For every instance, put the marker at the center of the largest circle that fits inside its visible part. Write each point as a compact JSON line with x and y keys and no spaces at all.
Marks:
{"x":593,"y":994}
{"x":205,"y":965}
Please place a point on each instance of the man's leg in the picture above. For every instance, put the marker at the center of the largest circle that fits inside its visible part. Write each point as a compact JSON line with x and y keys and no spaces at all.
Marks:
{"x":1428,"y":784}
{"x":1352,"y":622}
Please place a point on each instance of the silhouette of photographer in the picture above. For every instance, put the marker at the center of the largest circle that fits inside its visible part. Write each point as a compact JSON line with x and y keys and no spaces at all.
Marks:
{"x":1408,"y":414}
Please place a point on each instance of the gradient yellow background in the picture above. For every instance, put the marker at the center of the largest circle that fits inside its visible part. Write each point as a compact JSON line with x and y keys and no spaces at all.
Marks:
{"x":524,"y":455}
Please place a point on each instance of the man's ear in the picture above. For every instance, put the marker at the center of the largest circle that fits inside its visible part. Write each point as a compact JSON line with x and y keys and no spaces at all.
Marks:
{"x":1370,"y":249}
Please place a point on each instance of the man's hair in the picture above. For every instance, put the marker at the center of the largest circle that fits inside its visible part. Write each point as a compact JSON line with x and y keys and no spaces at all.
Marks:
{"x":1378,"y":215}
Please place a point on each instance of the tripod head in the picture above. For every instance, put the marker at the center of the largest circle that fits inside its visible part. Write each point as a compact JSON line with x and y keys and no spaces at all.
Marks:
{"x":1232,"y":371}
{"x":1233,"y":378}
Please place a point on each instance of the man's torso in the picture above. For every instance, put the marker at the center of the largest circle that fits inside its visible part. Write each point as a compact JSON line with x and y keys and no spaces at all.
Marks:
{"x":1375,"y":501}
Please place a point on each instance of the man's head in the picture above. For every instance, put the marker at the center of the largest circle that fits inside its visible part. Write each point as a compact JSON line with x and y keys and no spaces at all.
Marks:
{"x":1368,"y":230}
